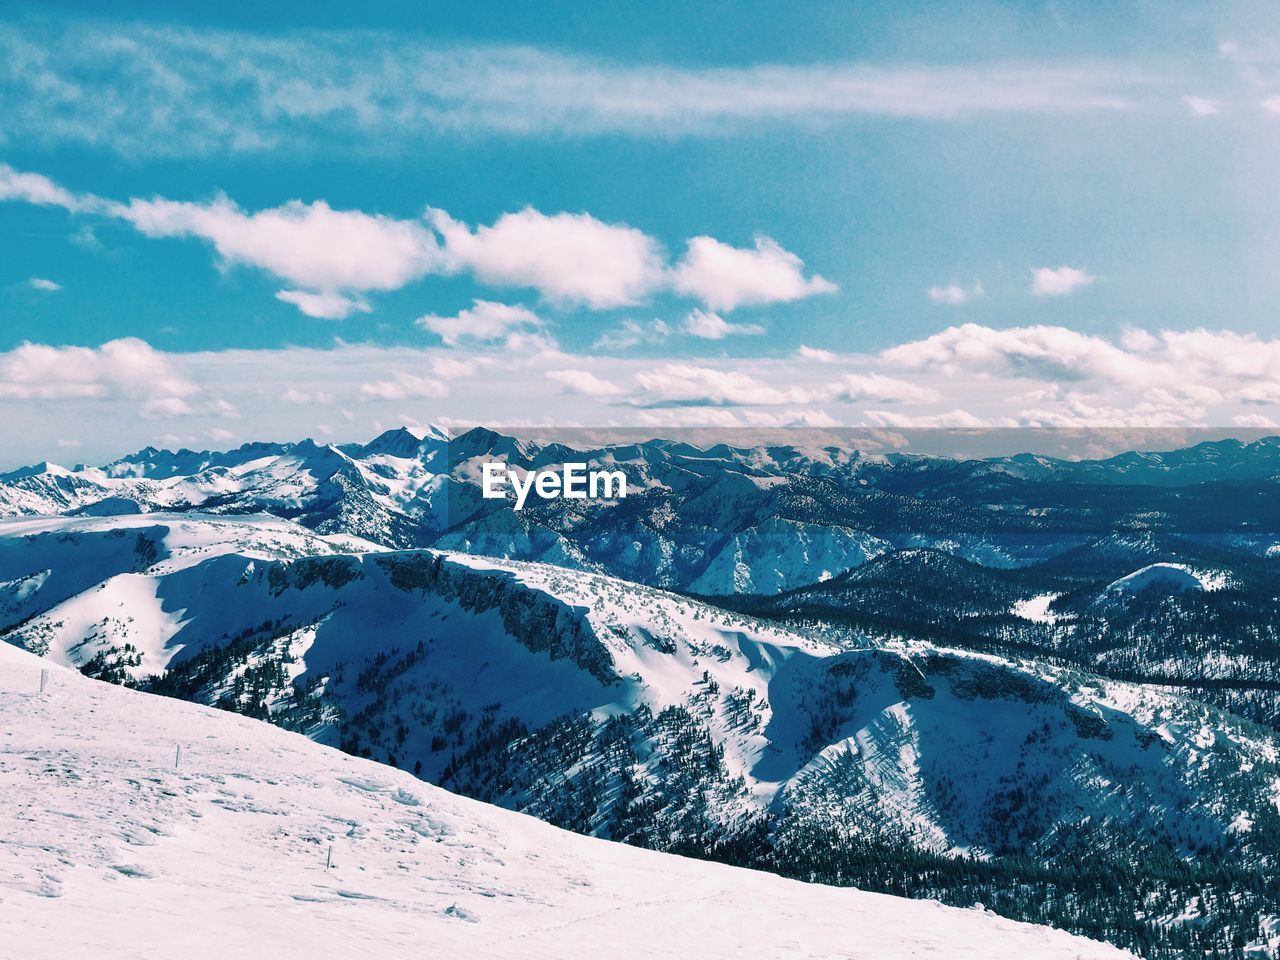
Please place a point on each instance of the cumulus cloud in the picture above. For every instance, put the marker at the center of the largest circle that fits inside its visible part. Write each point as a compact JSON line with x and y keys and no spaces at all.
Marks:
{"x":308,"y":244}
{"x":954,"y":295}
{"x":484,"y":320}
{"x":330,"y":257}
{"x":328,"y":305}
{"x":402,"y":385}
{"x":876,"y":388}
{"x":1255,"y":420}
{"x":570,"y":258}
{"x":686,"y":385}
{"x":584,"y":382}
{"x":44,"y":285}
{"x":947,"y":420}
{"x":725,"y":277}
{"x":1059,"y":281}
{"x":815,"y":355}
{"x":711,"y":326}
{"x":1053,"y":353}
{"x":963,"y":377}
{"x":126,"y":368}
{"x":1165,"y":378}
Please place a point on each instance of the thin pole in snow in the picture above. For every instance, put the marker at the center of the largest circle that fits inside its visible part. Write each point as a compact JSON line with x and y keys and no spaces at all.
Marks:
{"x":328,"y":861}
{"x":44,"y":679}
{"x":177,"y":756}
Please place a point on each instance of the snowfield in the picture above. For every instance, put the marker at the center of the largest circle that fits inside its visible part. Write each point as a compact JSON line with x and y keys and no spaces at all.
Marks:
{"x":113,"y":846}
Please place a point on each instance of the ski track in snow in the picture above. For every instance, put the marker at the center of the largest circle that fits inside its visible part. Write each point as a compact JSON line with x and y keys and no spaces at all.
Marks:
{"x":109,"y":850}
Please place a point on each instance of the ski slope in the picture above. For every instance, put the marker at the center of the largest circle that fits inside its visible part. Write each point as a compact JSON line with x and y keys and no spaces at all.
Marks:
{"x":112,"y":846}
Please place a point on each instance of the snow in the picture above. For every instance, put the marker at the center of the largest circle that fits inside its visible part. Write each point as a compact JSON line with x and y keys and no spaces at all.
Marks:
{"x":1176,"y":577}
{"x":1036,"y":609}
{"x":110,"y":849}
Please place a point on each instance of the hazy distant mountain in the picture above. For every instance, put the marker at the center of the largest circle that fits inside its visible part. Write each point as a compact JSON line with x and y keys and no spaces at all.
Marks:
{"x":715,"y":521}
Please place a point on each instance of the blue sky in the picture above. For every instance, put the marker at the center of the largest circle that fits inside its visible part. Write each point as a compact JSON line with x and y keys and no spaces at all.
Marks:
{"x":665,"y":213}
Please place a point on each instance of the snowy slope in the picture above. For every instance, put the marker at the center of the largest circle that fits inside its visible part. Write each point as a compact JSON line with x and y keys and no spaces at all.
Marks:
{"x":109,"y":848}
{"x":608,"y":705}
{"x":1166,"y":577}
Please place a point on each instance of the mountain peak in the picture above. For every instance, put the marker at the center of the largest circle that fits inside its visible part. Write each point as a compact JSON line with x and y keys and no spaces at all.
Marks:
{"x":40,"y":469}
{"x":399,"y":442}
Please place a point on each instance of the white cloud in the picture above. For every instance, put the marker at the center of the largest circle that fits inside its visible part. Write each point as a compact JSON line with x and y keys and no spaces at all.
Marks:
{"x":947,"y":420}
{"x":307,"y":244}
{"x":711,"y":326}
{"x":47,"y":286}
{"x":453,"y":368}
{"x":1255,"y":420}
{"x":303,"y":397}
{"x":484,"y":320}
{"x":632,"y":333}
{"x":815,"y":355}
{"x":127,"y":368}
{"x":719,"y":418}
{"x":39,"y":190}
{"x":584,"y":382}
{"x":876,"y":388}
{"x":402,"y":385}
{"x":725,"y":277}
{"x":329,"y":305}
{"x":330,"y":257}
{"x":1052,"y":353}
{"x":954,"y":295}
{"x":686,"y":385}
{"x":965,"y":376}
{"x":1166,"y":378}
{"x":141,"y":90}
{"x":569,"y":258}
{"x":1059,"y":281}
{"x":165,"y":407}
{"x":1271,"y":104}
{"x":1202,"y":106}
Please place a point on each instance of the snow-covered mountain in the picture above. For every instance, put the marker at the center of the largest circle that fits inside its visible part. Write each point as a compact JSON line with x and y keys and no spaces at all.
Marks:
{"x":1040,"y":686}
{"x":715,"y":520}
{"x":630,"y":713}
{"x":142,"y":827}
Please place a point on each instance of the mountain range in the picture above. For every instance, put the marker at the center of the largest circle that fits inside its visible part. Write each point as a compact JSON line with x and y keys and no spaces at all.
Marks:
{"x":1030,"y":684}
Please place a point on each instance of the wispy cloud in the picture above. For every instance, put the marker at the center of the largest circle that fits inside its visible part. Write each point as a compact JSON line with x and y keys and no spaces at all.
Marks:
{"x":954,"y":294}
{"x":711,"y":326}
{"x":483,"y":321}
{"x":145,"y":90}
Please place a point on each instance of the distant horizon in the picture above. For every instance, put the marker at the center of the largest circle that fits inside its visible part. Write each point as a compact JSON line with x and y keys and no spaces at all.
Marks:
{"x":1074,"y":444}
